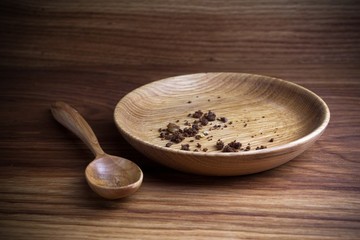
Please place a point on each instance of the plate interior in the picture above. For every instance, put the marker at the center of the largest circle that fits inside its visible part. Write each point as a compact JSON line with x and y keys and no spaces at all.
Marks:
{"x":257,"y":109}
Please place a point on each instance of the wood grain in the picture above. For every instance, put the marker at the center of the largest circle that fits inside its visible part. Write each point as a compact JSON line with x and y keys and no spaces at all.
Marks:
{"x":271,"y":120}
{"x":91,"y":54}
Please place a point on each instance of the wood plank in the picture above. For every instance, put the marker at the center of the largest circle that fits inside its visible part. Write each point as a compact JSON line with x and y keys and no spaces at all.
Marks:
{"x":91,"y":54}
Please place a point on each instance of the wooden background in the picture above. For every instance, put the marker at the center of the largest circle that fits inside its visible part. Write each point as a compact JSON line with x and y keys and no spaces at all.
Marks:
{"x":91,"y":53}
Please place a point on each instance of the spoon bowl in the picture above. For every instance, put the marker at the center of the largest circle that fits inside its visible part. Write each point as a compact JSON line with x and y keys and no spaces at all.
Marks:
{"x":102,"y":178}
{"x":109,"y":176}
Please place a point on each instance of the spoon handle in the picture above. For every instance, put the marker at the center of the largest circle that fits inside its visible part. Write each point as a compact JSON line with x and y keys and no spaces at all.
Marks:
{"x":72,"y":120}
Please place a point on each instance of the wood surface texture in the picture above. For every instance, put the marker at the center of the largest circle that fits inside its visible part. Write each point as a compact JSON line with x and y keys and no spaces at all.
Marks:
{"x":92,"y":53}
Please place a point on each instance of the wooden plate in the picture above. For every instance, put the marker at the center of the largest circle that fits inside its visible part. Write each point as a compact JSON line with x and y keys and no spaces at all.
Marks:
{"x":258,"y":109}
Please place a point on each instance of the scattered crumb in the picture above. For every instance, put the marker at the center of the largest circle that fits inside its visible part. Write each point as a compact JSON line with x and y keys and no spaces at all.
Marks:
{"x":219,"y":144}
{"x":203,"y":121}
{"x":233,"y":146}
{"x":197,"y":114}
{"x":185,"y":147}
{"x":223,"y":119}
{"x":261,"y":147}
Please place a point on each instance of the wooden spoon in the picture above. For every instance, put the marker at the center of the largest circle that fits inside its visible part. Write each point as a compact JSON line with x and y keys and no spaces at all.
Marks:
{"x":109,"y":176}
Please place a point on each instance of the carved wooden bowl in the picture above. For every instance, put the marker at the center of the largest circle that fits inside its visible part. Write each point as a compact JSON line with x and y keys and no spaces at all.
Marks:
{"x":277,"y":119}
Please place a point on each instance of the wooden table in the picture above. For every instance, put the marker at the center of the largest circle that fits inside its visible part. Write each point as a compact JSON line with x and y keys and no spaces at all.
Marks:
{"x":91,"y":53}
